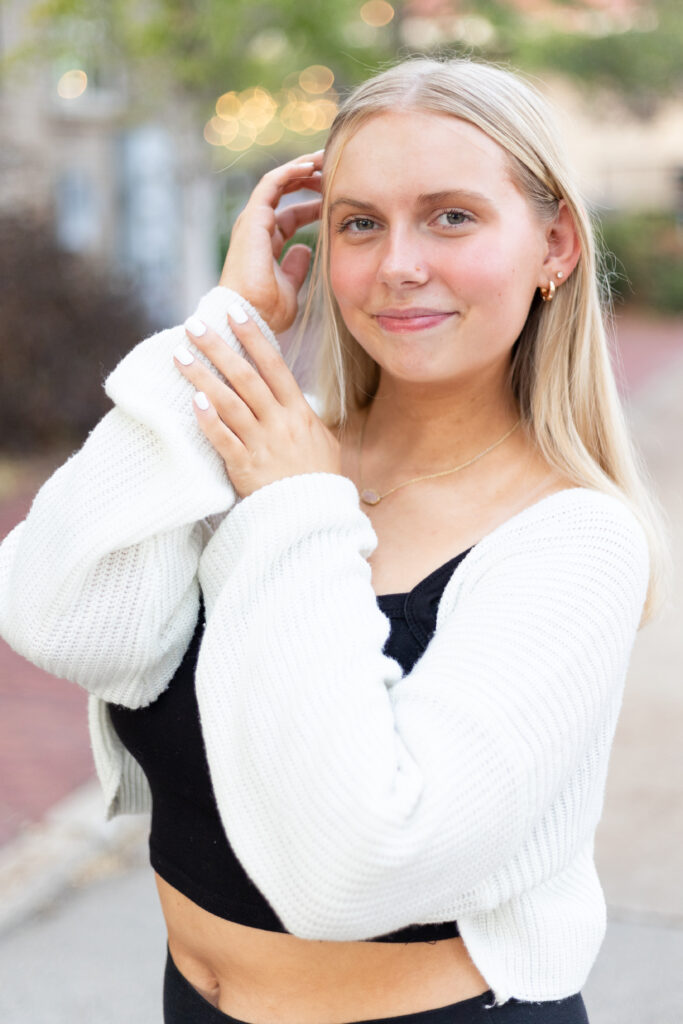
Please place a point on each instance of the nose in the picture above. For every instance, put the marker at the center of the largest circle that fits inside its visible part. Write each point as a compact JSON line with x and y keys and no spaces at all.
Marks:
{"x":403,"y":260}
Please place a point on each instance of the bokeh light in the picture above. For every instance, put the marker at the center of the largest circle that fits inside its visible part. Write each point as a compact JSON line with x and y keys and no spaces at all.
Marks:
{"x":377,"y":13}
{"x":305,"y":105}
{"x":316,"y":79}
{"x":271,"y":134}
{"x":228,"y":105}
{"x":257,"y":108}
{"x":72,"y":84}
{"x":269,"y":45}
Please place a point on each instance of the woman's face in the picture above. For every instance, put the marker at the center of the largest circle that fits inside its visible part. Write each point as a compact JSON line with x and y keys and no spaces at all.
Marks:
{"x":434,"y":253}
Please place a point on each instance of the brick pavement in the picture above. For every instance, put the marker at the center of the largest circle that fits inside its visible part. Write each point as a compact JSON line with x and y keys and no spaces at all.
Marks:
{"x":645,"y":346}
{"x":44,"y":747}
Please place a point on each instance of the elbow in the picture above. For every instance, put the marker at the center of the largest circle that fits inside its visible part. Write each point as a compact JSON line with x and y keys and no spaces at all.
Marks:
{"x":97,"y":660}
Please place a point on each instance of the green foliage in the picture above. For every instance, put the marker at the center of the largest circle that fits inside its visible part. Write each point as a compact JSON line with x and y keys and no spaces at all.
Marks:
{"x":642,"y":64}
{"x":649,"y":259}
{"x":205,"y":47}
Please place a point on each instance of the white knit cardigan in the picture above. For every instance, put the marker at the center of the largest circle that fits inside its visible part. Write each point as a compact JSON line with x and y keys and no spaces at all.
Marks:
{"x":359,"y":799}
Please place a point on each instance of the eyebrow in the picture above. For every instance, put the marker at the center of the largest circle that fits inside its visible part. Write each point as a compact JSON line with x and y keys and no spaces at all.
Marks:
{"x":424,"y":199}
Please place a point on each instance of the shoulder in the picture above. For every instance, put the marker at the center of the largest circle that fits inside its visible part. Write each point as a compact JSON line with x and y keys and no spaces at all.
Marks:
{"x":574,"y":543}
{"x":569,"y":519}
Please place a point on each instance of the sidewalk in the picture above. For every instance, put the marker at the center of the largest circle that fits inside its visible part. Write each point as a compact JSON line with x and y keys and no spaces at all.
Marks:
{"x":65,"y":876}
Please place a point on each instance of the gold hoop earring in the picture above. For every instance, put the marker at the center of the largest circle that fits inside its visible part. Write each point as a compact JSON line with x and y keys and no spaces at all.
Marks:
{"x":548,"y":291}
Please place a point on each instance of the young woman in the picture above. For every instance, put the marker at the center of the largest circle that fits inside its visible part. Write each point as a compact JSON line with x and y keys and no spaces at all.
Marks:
{"x":363,"y":651}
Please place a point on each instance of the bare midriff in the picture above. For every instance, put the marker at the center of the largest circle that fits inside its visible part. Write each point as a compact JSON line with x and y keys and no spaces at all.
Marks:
{"x":264,"y":977}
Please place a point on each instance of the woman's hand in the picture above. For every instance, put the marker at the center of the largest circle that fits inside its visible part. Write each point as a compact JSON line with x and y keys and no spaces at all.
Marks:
{"x":260,"y":423}
{"x":251,"y":266}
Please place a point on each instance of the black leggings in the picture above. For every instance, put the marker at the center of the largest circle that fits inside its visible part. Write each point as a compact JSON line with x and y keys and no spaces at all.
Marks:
{"x":184,"y":1005}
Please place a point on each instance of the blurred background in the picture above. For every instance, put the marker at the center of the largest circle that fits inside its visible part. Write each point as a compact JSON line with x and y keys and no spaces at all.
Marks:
{"x":131,"y":134}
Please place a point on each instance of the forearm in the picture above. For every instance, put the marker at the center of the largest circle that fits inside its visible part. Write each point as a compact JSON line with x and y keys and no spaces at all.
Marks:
{"x":98,"y":584}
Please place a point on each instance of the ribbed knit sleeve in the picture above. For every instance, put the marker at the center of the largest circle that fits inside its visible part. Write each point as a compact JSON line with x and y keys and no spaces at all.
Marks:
{"x":99,"y":583}
{"x":361,"y":800}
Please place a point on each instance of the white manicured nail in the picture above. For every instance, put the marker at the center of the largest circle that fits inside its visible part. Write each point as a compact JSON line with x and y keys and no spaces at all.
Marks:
{"x":237,"y":314}
{"x":201,"y":400}
{"x":195,"y":326}
{"x":305,"y":163}
{"x":183,"y":356}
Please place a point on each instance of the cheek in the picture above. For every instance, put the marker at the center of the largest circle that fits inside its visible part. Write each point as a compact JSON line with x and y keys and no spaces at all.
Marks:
{"x":486,"y":265}
{"x":350,"y":278}
{"x":497,"y":276}
{"x":478,"y":277}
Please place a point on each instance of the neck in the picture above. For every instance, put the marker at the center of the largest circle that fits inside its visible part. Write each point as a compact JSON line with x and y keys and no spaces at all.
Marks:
{"x":422,"y":427}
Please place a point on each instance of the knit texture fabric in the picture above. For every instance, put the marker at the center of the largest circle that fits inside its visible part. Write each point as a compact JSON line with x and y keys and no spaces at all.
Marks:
{"x":359,"y":799}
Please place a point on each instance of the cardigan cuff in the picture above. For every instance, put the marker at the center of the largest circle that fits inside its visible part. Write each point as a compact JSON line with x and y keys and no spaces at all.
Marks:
{"x":148,"y":387}
{"x":213,"y":310}
{"x":280,"y":515}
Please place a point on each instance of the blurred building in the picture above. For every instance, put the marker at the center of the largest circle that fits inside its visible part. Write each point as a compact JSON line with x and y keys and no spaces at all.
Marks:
{"x":625,"y":162}
{"x":138,"y":194}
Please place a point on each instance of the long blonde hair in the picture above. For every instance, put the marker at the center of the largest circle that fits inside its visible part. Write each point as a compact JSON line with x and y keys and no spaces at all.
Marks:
{"x":560,"y":370}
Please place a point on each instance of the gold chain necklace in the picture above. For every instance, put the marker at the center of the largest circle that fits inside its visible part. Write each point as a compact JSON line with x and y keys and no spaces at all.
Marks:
{"x":371,"y":497}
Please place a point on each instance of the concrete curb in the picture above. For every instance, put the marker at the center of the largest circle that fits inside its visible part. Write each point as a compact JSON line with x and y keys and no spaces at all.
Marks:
{"x":72,"y":844}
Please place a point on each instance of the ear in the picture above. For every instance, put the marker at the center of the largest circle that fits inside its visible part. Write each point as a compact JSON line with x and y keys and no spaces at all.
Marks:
{"x":563,"y":247}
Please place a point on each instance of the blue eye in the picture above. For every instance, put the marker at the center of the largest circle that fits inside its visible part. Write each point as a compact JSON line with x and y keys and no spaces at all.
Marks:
{"x":359,"y":225}
{"x":455,"y":217}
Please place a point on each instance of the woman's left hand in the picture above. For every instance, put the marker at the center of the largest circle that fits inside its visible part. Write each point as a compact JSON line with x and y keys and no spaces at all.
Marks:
{"x":261,"y":425}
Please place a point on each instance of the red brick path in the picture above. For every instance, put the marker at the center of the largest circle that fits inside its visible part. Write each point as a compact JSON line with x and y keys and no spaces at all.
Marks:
{"x":44,"y":747}
{"x":645,"y":347}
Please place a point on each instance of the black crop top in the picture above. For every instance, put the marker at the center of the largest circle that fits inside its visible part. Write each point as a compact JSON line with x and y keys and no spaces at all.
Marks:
{"x":188,"y":846}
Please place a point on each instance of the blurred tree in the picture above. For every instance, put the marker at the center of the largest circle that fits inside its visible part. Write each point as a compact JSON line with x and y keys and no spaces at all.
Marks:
{"x":634,"y":51}
{"x":648,"y":250}
{"x":201,"y":47}
{"x":65,"y":324}
{"x":205,"y":47}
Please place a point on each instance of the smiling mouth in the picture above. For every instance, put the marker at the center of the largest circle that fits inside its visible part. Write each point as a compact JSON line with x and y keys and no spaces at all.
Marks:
{"x":411,"y":319}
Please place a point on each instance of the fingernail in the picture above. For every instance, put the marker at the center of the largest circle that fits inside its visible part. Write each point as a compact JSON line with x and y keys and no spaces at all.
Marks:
{"x":306,"y":163}
{"x":202,"y":401}
{"x":237,"y":314}
{"x":183,"y":356}
{"x":195,"y":326}
{"x":319,"y":152}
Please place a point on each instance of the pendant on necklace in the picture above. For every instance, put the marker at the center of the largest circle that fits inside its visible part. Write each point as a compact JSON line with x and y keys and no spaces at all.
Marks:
{"x":370,"y":497}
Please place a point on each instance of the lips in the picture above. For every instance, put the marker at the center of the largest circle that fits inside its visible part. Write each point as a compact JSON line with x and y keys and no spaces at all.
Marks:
{"x":415,"y":318}
{"x":410,"y":311}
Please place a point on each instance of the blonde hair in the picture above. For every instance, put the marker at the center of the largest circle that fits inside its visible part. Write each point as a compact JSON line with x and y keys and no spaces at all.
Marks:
{"x":560,"y":370}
